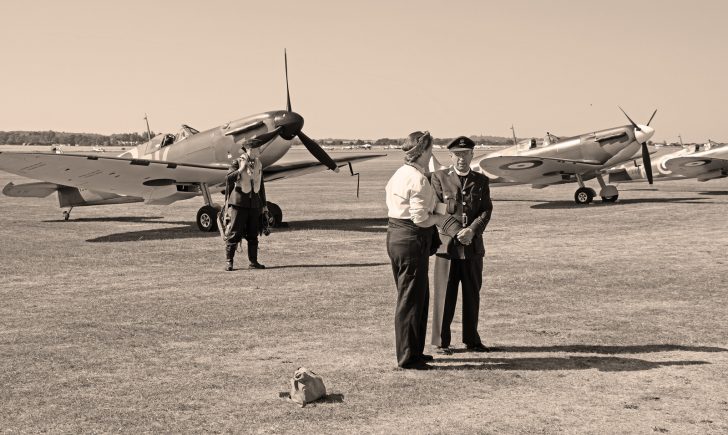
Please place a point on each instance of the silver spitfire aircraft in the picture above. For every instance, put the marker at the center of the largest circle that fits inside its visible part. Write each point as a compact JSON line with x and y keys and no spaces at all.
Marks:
{"x":171,"y":168}
{"x":702,"y":161}
{"x":565,"y":160}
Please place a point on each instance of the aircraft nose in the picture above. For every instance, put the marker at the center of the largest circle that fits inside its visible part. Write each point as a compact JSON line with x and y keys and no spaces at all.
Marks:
{"x":291,"y":124}
{"x":644,"y":135}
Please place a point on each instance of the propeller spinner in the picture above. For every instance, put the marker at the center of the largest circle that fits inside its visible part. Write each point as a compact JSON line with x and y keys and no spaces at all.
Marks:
{"x":642,"y":133}
{"x":289,"y":124}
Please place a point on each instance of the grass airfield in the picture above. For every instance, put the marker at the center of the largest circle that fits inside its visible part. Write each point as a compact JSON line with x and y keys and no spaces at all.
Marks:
{"x":608,"y":318}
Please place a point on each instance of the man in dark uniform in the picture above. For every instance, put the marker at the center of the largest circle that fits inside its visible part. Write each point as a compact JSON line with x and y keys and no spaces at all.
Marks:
{"x":460,"y":258}
{"x":246,"y":202}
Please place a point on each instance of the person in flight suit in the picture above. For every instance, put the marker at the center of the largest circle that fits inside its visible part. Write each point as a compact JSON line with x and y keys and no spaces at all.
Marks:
{"x":246,"y":202}
{"x":459,"y":259}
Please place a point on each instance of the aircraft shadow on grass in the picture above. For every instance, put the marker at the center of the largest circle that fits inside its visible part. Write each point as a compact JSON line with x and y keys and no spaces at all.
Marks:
{"x":132,"y":219}
{"x":183,"y":230}
{"x":571,"y":204}
{"x":601,"y":363}
{"x":186,"y":229}
{"x":714,"y":192}
{"x":305,"y":266}
{"x":363,"y":225}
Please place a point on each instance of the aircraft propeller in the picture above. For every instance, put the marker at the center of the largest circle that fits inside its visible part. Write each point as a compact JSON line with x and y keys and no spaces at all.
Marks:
{"x":311,"y":145}
{"x":642,"y":134}
{"x":263,"y":138}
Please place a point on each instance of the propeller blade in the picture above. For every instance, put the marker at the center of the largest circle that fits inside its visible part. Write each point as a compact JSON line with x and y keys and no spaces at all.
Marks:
{"x":653,"y":115}
{"x":261,"y":139}
{"x":630,"y":120}
{"x":288,"y":94}
{"x":647,"y":162}
{"x":318,"y":152}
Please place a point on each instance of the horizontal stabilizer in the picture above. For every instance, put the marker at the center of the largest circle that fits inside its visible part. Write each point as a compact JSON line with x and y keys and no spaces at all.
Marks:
{"x":30,"y":190}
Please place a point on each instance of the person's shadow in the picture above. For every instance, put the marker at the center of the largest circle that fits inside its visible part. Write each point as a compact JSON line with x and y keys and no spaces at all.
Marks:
{"x":601,"y":363}
{"x":607,"y":349}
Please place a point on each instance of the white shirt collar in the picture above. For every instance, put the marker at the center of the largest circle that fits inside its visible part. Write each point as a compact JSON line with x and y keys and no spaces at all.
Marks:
{"x":461,"y":174}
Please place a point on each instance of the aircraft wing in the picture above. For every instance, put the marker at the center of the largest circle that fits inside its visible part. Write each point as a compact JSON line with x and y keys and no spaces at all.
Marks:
{"x":703,"y":168}
{"x":136,"y":177}
{"x":527,"y":169}
{"x":296,"y":169}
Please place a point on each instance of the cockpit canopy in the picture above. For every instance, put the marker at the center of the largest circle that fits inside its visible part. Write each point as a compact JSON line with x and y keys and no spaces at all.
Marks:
{"x":163,"y":140}
{"x":184,"y":132}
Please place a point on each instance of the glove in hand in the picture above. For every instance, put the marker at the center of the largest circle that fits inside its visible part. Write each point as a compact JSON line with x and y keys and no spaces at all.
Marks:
{"x":451,"y":227}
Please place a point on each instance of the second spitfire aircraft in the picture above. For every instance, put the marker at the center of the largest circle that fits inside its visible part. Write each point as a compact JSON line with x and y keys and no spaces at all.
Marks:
{"x":702,"y":161}
{"x":170,"y":168}
{"x":572,"y":159}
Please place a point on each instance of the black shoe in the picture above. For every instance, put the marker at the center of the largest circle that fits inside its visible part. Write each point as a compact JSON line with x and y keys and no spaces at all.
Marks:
{"x":426,"y":357}
{"x":444,"y":350}
{"x":477,"y":348}
{"x":256,"y":265}
{"x":417,"y":365}
{"x":229,"y":265}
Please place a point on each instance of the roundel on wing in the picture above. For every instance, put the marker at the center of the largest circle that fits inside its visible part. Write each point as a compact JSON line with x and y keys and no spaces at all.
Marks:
{"x":523,"y":164}
{"x":696,"y":163}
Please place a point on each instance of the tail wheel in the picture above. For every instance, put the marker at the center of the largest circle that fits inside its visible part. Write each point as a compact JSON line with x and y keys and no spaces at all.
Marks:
{"x":584,"y":195}
{"x":276,"y":212}
{"x":207,"y":218}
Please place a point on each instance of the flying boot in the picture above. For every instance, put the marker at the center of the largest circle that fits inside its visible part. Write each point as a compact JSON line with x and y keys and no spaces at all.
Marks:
{"x":229,"y":255}
{"x":253,"y":255}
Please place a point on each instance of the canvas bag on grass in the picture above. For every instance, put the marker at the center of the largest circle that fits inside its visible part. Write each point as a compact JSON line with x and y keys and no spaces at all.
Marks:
{"x":306,"y":386}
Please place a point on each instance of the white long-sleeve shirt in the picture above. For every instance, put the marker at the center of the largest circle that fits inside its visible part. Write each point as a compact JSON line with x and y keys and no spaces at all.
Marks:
{"x":410,"y":195}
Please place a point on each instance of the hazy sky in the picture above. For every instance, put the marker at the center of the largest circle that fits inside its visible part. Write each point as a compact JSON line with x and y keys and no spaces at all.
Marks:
{"x":367,"y":69}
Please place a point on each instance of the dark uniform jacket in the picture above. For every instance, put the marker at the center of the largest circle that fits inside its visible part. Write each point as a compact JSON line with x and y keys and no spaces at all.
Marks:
{"x":241,"y":199}
{"x":471,"y":199}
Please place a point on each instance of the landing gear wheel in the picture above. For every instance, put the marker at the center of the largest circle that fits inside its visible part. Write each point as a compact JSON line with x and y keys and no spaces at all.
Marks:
{"x":276,"y":212}
{"x":66,"y":215}
{"x":207,"y":218}
{"x":584,"y":195}
{"x":612,"y":198}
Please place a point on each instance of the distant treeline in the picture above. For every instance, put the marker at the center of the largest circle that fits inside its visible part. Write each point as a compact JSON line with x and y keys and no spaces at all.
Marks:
{"x":489,"y":140}
{"x":51,"y":137}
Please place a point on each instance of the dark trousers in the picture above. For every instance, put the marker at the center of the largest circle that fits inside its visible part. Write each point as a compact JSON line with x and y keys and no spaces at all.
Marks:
{"x":245,"y":223}
{"x":408,"y":247}
{"x":449,"y":274}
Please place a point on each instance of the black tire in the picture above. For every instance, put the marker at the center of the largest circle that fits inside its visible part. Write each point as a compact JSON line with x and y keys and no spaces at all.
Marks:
{"x":207,"y":218}
{"x":612,"y":198}
{"x":276,"y":212}
{"x":584,"y":195}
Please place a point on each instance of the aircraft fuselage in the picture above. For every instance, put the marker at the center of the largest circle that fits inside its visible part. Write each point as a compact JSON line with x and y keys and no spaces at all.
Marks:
{"x":608,"y":147}
{"x":218,"y":146}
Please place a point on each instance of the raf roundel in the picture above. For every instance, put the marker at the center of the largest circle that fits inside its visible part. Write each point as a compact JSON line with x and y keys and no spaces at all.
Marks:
{"x":696,"y":163}
{"x":526,"y":164}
